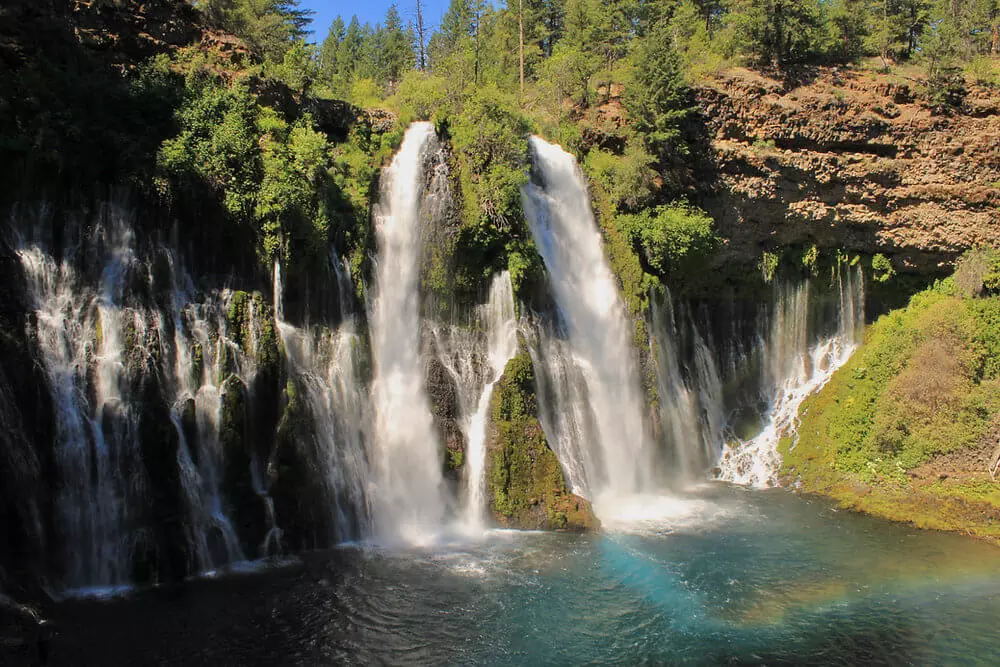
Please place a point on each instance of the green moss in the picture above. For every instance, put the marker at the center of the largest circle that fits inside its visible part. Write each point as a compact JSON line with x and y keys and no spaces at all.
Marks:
{"x":197,"y":364}
{"x":455,"y":460}
{"x":899,"y":428}
{"x":525,"y":481}
{"x":237,"y":317}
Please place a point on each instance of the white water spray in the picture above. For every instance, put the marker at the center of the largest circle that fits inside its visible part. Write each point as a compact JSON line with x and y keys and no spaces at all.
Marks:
{"x":498,"y":319}
{"x":325,"y":366}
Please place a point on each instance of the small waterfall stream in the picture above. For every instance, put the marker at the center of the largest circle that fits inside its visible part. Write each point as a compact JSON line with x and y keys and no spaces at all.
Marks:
{"x":324,"y":365}
{"x":690,"y":400}
{"x":105,"y":351}
{"x":499,"y":322}
{"x":797,"y":362}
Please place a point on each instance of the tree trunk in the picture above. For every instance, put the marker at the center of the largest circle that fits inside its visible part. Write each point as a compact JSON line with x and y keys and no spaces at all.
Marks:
{"x":995,"y":41}
{"x":520,"y":40}
{"x":421,"y":54}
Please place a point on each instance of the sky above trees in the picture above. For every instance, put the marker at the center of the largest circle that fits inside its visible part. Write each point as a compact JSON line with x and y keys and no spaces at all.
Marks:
{"x":368,"y":11}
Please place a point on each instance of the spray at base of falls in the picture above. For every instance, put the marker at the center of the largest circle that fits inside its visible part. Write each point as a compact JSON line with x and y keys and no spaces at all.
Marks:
{"x":794,"y":369}
{"x":409,"y":495}
{"x":608,"y":403}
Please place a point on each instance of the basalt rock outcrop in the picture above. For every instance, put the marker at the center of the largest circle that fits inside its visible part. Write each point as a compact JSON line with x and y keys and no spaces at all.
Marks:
{"x":851,"y":160}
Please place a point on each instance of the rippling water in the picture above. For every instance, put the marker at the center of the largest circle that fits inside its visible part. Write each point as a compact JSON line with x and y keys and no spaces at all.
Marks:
{"x":722,"y":575}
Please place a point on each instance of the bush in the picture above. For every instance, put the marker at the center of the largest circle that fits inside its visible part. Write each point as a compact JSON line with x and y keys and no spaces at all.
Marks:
{"x":421,"y":94}
{"x":626,"y":179}
{"x":982,"y":70}
{"x":366,"y":93}
{"x":670,"y":238}
{"x":882,"y":269}
{"x":489,"y":138}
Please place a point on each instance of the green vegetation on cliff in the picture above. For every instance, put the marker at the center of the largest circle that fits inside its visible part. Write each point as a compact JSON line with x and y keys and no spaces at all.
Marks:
{"x":909,"y":427}
{"x":525,"y":482}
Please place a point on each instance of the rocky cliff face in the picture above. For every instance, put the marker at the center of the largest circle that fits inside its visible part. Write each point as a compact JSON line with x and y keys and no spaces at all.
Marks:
{"x":851,"y":160}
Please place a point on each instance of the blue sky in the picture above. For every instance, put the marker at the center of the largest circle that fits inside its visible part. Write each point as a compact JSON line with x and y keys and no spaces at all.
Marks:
{"x":370,"y":11}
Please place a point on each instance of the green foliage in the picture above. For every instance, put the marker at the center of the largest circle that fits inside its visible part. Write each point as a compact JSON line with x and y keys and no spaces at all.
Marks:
{"x":216,"y":147}
{"x":776,"y":32}
{"x":298,"y":68}
{"x":421,"y":95}
{"x":810,"y":260}
{"x":882,"y":269}
{"x":270,"y":27}
{"x":671,"y":238}
{"x":627,"y":179}
{"x":657,"y":98}
{"x":983,"y":70}
{"x":925,"y":383}
{"x":768,"y":265}
{"x":569,"y":71}
{"x":489,"y":138}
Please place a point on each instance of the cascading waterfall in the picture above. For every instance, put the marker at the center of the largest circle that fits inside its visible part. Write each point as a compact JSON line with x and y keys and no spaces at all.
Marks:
{"x":617,"y":461}
{"x":474,"y":358}
{"x":91,"y":502}
{"x":143,"y":329}
{"x":409,"y":495}
{"x":325,"y":365}
{"x":198,"y":369}
{"x":794,"y":368}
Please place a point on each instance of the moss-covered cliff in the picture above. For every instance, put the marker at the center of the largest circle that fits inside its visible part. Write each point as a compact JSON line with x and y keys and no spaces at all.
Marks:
{"x":525,"y":482}
{"x":909,"y":427}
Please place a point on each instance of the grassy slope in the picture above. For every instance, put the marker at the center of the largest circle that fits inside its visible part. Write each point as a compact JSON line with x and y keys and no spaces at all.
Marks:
{"x":907,"y":428}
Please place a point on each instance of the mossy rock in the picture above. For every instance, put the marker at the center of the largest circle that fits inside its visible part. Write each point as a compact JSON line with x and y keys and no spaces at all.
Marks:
{"x":525,"y":482}
{"x":908,"y":428}
{"x":245,"y":507}
{"x":301,"y":502}
{"x":237,"y":317}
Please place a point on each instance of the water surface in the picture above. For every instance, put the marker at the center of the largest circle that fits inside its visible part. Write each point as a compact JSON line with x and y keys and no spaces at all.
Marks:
{"x":720,"y":576}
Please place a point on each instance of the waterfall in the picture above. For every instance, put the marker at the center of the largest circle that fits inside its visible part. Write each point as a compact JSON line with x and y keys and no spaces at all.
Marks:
{"x":142,"y":341}
{"x":198,"y":369}
{"x":593,"y":376}
{"x":409,"y":494}
{"x":325,"y":366}
{"x":795,"y":366}
{"x":90,"y":502}
{"x":690,"y":399}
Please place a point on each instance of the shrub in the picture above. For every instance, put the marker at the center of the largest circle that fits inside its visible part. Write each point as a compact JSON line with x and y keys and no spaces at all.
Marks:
{"x":489,"y":137}
{"x":882,"y":269}
{"x":627,"y":179}
{"x":421,"y":94}
{"x":670,"y":237}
